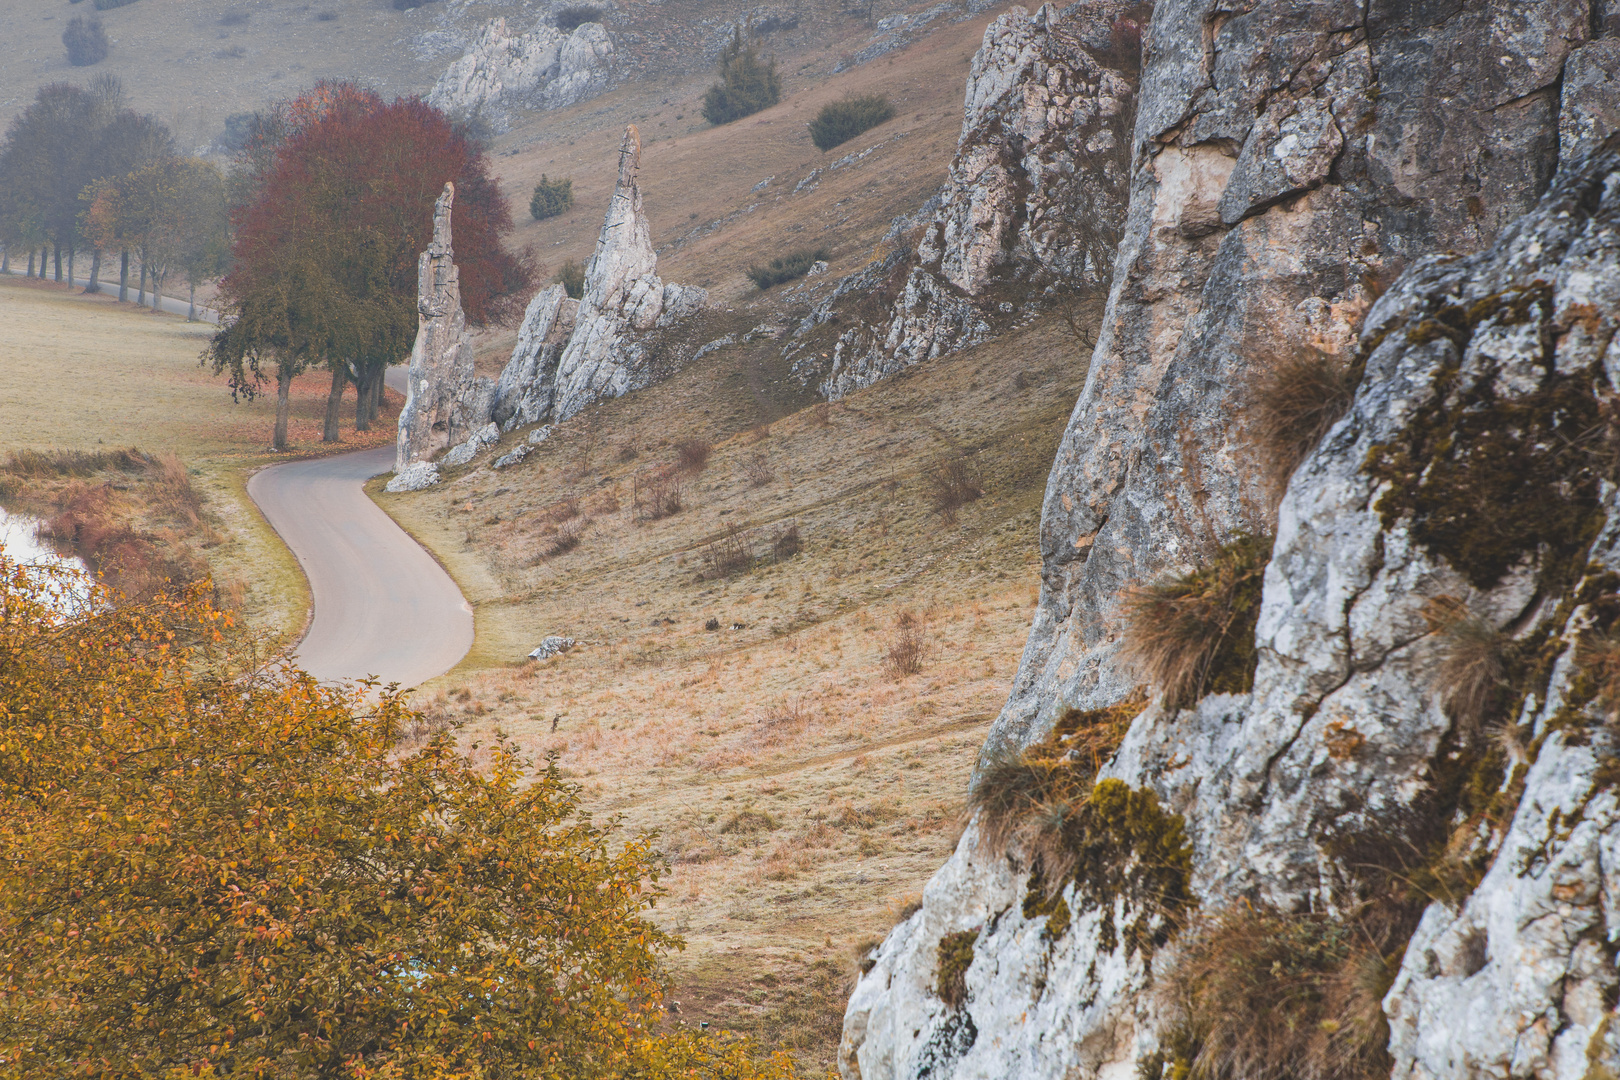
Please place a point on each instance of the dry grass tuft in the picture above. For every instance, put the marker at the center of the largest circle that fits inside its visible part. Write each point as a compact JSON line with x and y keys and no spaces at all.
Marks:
{"x":955,"y":955}
{"x":953,"y":482}
{"x":908,"y":648}
{"x":1193,"y":634}
{"x":1473,"y":665}
{"x":1024,"y":798}
{"x":821,"y":414}
{"x":693,"y":454}
{"x":1265,"y":995}
{"x":1296,"y":402}
{"x":1599,"y":658}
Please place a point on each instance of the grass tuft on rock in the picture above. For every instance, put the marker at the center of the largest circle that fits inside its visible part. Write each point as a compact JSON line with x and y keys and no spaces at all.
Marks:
{"x":1295,"y":403}
{"x":1192,"y":634}
{"x":955,"y":956}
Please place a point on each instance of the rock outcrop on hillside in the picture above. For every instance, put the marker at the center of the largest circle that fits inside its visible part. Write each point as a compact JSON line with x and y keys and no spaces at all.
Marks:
{"x":542,"y":69}
{"x":1303,"y":177}
{"x":612,"y":346}
{"x":444,"y":402}
{"x":1031,"y":210}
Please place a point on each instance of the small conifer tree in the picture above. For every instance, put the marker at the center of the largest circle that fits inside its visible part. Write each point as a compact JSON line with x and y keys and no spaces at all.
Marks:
{"x":551,"y":197}
{"x":748,"y":82}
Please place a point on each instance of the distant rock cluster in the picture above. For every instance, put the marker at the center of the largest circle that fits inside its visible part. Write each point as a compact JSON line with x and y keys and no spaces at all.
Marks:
{"x":542,"y":69}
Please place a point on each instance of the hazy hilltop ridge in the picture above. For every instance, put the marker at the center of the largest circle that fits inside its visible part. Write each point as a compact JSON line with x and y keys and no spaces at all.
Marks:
{"x":1377,"y":190}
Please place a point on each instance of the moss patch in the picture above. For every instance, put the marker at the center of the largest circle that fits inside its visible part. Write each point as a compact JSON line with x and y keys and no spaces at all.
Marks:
{"x":955,"y":957}
{"x":1488,"y":479}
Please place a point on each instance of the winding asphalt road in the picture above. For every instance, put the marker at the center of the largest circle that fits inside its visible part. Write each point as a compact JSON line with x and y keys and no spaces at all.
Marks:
{"x":382,"y":605}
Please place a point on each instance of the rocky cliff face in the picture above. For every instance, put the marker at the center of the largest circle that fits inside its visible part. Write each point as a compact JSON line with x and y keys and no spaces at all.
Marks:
{"x":444,"y":402}
{"x":610,"y":347}
{"x":542,"y":69}
{"x":1031,"y":210}
{"x":1301,"y":177}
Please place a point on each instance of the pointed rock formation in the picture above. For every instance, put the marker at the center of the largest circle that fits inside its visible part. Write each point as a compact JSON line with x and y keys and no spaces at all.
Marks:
{"x":607,"y":352}
{"x":443,"y":401}
{"x":523,"y":395}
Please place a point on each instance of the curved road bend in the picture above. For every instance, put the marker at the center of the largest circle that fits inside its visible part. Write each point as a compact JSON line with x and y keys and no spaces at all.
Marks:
{"x":383,"y":607}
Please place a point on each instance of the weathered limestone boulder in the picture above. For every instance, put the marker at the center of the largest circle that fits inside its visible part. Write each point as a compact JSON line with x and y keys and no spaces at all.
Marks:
{"x":527,"y":385}
{"x":608,"y":353}
{"x":443,"y":401}
{"x":1031,"y":209}
{"x":1277,"y":202}
{"x":414,"y":477}
{"x":543,"y":69}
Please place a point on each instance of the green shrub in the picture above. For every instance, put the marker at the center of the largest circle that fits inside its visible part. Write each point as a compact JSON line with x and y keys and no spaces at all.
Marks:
{"x":576,"y":15}
{"x":843,"y":120}
{"x":572,"y":278}
{"x":955,"y":957}
{"x":85,"y":40}
{"x":551,"y":197}
{"x":747,"y":83}
{"x":785,"y":267}
{"x":1193,"y":634}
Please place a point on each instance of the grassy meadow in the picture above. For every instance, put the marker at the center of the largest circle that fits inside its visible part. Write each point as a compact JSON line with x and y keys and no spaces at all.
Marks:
{"x":87,"y":373}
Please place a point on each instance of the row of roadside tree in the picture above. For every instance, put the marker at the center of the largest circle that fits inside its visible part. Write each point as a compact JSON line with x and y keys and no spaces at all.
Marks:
{"x":83,"y":174}
{"x":313,"y":231}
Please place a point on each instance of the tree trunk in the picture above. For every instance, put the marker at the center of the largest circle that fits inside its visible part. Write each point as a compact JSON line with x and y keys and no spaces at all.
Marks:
{"x":123,"y":276}
{"x":140,"y":295}
{"x":191,"y":316}
{"x":157,"y":294}
{"x":362,"y":396}
{"x":283,"y":405}
{"x":71,"y":253}
{"x":5,"y":260}
{"x":57,"y":248}
{"x":95,"y":272}
{"x":334,"y":402}
{"x":30,"y":262}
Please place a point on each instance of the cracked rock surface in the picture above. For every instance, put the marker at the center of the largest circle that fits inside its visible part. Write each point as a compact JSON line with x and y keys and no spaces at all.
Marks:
{"x":1276,"y":202}
{"x":1031,"y":207}
{"x":542,"y":69}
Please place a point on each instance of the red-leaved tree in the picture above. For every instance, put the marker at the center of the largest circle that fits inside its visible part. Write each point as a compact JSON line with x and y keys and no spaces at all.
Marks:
{"x":338,"y":189}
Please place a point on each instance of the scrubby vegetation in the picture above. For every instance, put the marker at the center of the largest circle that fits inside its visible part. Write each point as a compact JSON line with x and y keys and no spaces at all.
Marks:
{"x":784,"y":268}
{"x":574,"y":16}
{"x":133,"y":519}
{"x":840,"y":121}
{"x":551,"y":198}
{"x":1193,"y":634}
{"x":953,"y":482}
{"x":694,"y":453}
{"x":1266,"y":995}
{"x":1473,"y":664}
{"x":907,"y":651}
{"x":748,"y":83}
{"x":1296,"y":401}
{"x":85,"y":40}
